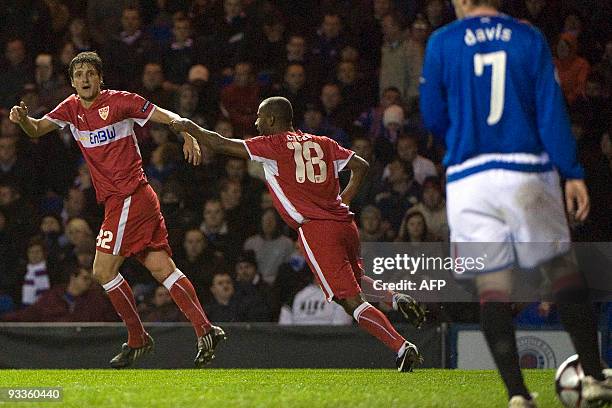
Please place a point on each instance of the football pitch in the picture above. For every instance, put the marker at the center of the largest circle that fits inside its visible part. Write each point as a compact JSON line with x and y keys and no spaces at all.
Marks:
{"x":276,"y":388}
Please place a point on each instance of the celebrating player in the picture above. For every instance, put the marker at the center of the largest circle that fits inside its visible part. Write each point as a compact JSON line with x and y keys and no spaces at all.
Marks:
{"x":102,"y":124}
{"x":301,"y":171}
{"x":489,"y":90}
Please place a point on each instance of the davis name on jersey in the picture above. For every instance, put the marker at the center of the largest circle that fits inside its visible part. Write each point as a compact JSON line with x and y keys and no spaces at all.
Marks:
{"x":105,"y":135}
{"x":301,"y":172}
{"x":489,"y":92}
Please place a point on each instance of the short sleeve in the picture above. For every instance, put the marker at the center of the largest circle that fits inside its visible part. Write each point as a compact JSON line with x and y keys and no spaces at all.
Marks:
{"x":61,"y":114}
{"x":136,"y":107}
{"x":341,"y":155}
{"x":259,"y":148}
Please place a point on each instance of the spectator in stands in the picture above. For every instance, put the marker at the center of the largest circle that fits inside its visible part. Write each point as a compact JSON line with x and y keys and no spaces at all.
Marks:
{"x":239,"y":217}
{"x":208,"y":94}
{"x":187,"y":103}
{"x":52,"y":89}
{"x":572,"y":69}
{"x":229,"y":34}
{"x":414,"y":229}
{"x":236,"y":169}
{"x":78,"y":35}
{"x":15,"y":72}
{"x":267,"y":48}
{"x":19,"y":213}
{"x":16,"y":169}
{"x":65,"y":54}
{"x":310,"y":307}
{"x":407,"y":149}
{"x":270,"y":246}
{"x":240,"y":99}
{"x":294,"y":88}
{"x":417,"y":40}
{"x":252,"y":293}
{"x":152,"y":86}
{"x":128,"y":52}
{"x":371,"y":225}
{"x":179,"y":56}
{"x":77,"y":230}
{"x":161,"y":308}
{"x":393,"y":121}
{"x":199,"y":262}
{"x":335,"y":111}
{"x":75,"y":205}
{"x":36,"y":278}
{"x":438,"y":13}
{"x":77,"y":301}
{"x":399,"y":64}
{"x":222,"y":307}
{"x":362,"y":146}
{"x":315,"y":123}
{"x":217,"y":232}
{"x":329,"y":40}
{"x":297,"y":53}
{"x":398,"y":193}
{"x":164,"y":162}
{"x":433,"y":209}
{"x":50,"y":230}
{"x":355,"y":91}
{"x":371,"y":120}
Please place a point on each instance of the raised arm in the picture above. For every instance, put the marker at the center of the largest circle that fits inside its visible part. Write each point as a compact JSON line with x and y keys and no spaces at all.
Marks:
{"x":32,"y":127}
{"x":191,"y":149}
{"x":212,"y":140}
{"x":359,"y":169}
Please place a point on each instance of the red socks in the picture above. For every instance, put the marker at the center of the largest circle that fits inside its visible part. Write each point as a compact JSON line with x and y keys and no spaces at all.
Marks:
{"x":376,"y":323}
{"x":185,"y":297}
{"x":122,"y":298}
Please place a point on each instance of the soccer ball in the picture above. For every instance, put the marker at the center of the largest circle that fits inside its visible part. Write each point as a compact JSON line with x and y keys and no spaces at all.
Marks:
{"x":568,"y":382}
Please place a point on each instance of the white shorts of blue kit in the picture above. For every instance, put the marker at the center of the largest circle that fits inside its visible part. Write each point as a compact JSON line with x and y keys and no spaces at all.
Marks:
{"x":507,"y":218}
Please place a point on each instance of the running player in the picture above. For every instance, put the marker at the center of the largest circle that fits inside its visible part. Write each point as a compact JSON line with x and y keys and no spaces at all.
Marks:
{"x":489,"y":91}
{"x":102,"y":121}
{"x":301,"y":172}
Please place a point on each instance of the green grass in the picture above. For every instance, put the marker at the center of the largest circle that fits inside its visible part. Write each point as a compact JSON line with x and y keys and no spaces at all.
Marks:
{"x":277,"y":388}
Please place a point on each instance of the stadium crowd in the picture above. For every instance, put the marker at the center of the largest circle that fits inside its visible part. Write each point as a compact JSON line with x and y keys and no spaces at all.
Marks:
{"x":351,"y":70}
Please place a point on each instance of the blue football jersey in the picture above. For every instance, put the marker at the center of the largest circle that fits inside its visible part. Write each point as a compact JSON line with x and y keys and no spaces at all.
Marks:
{"x":490,"y":92}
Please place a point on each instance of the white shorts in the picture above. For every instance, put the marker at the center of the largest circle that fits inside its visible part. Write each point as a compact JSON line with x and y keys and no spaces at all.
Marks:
{"x":516,"y":218}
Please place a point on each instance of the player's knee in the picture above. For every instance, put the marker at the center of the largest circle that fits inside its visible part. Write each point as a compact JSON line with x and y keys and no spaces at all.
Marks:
{"x":105,"y":268}
{"x":350,"y":304}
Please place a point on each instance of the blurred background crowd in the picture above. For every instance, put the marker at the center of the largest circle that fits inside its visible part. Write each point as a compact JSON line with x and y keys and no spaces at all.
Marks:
{"x":351,"y":70}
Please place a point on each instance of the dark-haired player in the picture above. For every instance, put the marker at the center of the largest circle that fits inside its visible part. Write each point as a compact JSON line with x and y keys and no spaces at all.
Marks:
{"x":102,"y":123}
{"x":489,"y":91}
{"x":301,"y":172}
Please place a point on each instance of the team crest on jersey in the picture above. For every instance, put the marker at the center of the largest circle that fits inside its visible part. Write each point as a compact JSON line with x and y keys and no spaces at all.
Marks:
{"x":103,"y":112}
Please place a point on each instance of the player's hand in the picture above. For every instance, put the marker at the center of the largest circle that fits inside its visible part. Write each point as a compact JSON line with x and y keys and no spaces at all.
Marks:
{"x":19,"y":114}
{"x":577,"y":199}
{"x":179,"y":125}
{"x":191,"y":150}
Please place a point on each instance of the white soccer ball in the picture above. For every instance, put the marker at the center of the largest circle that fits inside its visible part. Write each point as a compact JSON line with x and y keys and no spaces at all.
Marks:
{"x":568,"y":382}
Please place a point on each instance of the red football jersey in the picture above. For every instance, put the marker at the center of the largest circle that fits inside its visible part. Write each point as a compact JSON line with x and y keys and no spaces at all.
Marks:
{"x":105,"y":134}
{"x":302,"y":175}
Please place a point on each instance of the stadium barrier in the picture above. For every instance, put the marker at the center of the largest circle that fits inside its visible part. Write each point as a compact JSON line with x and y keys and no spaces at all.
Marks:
{"x":262,"y":345}
{"x":538,"y":347}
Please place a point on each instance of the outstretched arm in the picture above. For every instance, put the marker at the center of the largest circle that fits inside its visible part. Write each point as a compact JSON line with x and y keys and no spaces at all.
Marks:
{"x":359,"y":169}
{"x":32,"y":127}
{"x":212,"y":140}
{"x":191,"y":149}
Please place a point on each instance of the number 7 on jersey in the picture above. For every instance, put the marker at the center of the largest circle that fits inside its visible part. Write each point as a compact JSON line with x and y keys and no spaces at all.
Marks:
{"x":498,"y":81}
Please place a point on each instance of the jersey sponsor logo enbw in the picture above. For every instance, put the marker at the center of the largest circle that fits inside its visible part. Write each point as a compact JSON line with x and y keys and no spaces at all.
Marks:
{"x":102,"y":135}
